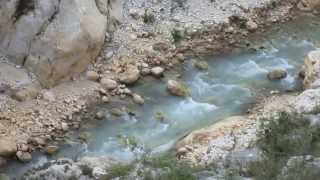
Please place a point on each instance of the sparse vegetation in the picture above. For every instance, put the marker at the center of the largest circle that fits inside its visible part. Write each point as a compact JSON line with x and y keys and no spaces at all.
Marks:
{"x":120,"y":170}
{"x":282,"y":137}
{"x":148,"y":17}
{"x":177,"y":35}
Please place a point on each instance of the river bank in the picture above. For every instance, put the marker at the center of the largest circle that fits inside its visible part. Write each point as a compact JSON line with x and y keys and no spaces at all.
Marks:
{"x":128,"y":70}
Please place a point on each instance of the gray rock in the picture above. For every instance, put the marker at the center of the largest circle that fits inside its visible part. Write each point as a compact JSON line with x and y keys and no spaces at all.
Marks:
{"x":138,"y":99}
{"x":177,"y":88}
{"x":157,"y":71}
{"x":61,"y":39}
{"x":24,"y":156}
{"x":130,"y":76}
{"x":29,"y":92}
{"x":8,"y":147}
{"x":311,"y":68}
{"x":277,"y":74}
{"x":49,"y":96}
{"x":201,"y":65}
{"x":308,"y":101}
{"x":92,"y":75}
{"x":108,"y":84}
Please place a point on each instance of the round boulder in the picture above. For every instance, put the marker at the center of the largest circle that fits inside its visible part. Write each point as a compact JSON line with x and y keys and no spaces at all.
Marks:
{"x":277,"y":74}
{"x":177,"y":88}
{"x":130,"y":76}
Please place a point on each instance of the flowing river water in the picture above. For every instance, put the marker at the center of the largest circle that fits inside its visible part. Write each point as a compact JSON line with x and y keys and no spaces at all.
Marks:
{"x":229,"y":86}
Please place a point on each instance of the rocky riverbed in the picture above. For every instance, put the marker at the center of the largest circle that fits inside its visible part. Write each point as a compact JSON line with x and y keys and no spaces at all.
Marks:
{"x":136,"y":39}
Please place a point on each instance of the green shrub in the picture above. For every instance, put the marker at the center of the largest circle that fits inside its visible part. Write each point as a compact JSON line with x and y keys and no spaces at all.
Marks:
{"x":118,"y":171}
{"x":148,"y":17}
{"x":282,"y":137}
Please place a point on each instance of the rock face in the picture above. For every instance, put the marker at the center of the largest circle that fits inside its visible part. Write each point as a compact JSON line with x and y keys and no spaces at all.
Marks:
{"x":311,"y":68}
{"x":308,"y":101}
{"x":61,"y":37}
{"x":219,"y":140}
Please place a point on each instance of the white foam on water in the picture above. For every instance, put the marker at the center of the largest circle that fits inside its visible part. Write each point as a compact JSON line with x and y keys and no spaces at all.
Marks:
{"x":249,"y":69}
{"x":190,"y":107}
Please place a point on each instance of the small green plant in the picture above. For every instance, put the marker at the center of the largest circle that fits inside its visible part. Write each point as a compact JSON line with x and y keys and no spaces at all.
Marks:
{"x":177,"y":35}
{"x":148,"y":17}
{"x":129,"y":141}
{"x":282,"y":137}
{"x":120,"y":170}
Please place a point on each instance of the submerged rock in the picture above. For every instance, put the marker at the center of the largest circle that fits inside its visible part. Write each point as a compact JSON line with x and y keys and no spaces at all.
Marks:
{"x":277,"y":74}
{"x":177,"y":88}
{"x":52,"y":149}
{"x":201,"y":65}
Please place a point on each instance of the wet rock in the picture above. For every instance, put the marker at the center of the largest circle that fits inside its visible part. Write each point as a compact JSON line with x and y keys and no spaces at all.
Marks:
{"x":177,"y":88}
{"x":138,"y":99}
{"x":277,"y":74}
{"x":116,"y":112}
{"x":201,"y":65}
{"x":108,"y":84}
{"x":92,"y":75}
{"x":157,"y":71}
{"x":3,"y":162}
{"x":105,"y":99}
{"x":180,"y":57}
{"x":52,"y":149}
{"x":23,"y":156}
{"x":85,"y":136}
{"x":130,"y":76}
{"x":8,"y":147}
{"x":311,"y":68}
{"x":100,"y":115}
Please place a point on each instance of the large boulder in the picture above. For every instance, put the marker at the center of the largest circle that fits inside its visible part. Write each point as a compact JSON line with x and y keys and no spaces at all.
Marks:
{"x":216,"y":142}
{"x":308,"y":101}
{"x":8,"y":147}
{"x":52,"y":38}
{"x":177,"y":88}
{"x":312,"y":68}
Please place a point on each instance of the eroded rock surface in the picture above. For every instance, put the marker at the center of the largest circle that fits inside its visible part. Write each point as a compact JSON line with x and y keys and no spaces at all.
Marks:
{"x":53,"y":39}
